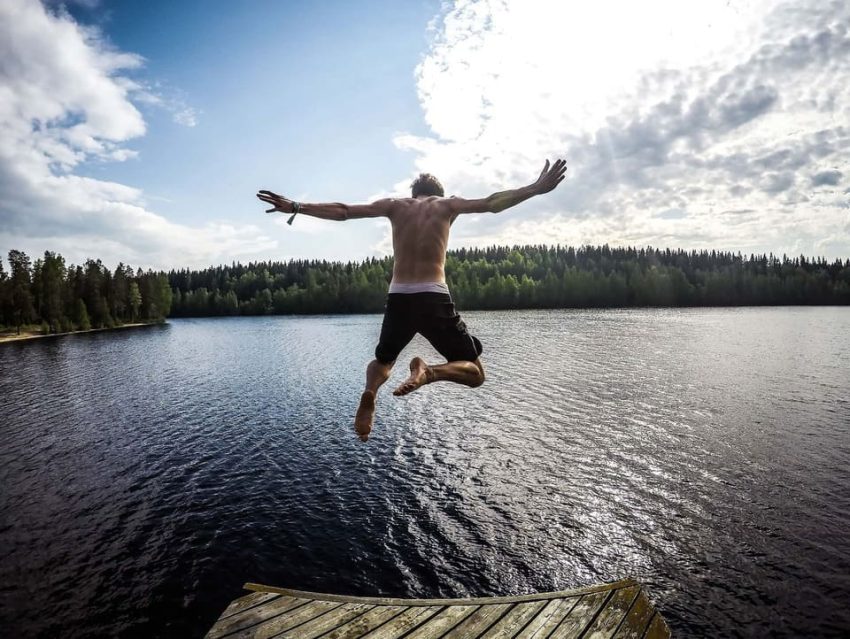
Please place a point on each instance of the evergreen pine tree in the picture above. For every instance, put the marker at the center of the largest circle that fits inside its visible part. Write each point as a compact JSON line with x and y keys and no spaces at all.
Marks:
{"x":135,"y":298}
{"x":21,"y":300}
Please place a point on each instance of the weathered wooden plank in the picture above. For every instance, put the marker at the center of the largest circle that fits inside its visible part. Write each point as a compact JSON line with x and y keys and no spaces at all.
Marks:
{"x":366,"y":622}
{"x":548,"y":619}
{"x":609,"y":618}
{"x":287,"y":621}
{"x":514,"y":620}
{"x":658,"y":628}
{"x":611,"y":611}
{"x":477,"y":622}
{"x":475,"y":601}
{"x":253,"y":616}
{"x":327,"y":622}
{"x":248,"y":601}
{"x":401,"y":624}
{"x":581,"y":615}
{"x":442,"y":622}
{"x":637,"y":620}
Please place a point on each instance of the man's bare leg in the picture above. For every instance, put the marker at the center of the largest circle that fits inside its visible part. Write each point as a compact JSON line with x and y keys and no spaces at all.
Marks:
{"x":464,"y":372}
{"x":376,"y":374}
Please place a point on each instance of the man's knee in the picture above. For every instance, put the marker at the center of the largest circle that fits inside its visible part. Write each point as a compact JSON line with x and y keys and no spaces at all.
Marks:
{"x":479,"y":379}
{"x":381,"y":368}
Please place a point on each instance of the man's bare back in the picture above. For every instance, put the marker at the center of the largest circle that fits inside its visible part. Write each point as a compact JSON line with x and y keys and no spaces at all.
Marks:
{"x":418,"y":299}
{"x":420,"y":235}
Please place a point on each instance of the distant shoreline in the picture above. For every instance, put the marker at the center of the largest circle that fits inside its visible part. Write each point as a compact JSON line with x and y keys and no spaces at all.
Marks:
{"x":31,"y":335}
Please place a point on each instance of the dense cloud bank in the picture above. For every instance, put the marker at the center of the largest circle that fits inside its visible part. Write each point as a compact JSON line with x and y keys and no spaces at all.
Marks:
{"x":734,"y":115}
{"x":68,"y":99}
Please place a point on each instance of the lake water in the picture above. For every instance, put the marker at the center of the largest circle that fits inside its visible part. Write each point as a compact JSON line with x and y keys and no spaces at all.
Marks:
{"x":148,"y":473}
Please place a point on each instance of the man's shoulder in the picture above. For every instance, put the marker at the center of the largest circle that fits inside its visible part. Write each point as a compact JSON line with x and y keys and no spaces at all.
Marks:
{"x":430,"y":201}
{"x":418,"y":203}
{"x":419,"y":200}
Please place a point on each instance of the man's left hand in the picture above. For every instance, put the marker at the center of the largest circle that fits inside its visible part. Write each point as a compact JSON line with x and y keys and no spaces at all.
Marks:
{"x":278,"y":202}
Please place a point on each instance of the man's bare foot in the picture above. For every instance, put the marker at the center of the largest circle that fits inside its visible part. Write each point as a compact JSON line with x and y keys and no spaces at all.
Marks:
{"x":419,"y":375}
{"x":365,"y":414}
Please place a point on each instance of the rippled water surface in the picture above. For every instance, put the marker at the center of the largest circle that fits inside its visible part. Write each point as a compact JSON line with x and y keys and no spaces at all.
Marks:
{"x":148,"y":473}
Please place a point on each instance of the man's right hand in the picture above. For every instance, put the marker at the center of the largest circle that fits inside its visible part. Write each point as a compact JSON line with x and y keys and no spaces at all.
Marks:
{"x":550,"y":177}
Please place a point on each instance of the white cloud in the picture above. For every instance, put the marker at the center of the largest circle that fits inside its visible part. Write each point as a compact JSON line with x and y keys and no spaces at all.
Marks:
{"x":164,"y":97}
{"x":66,"y":99}
{"x":187,"y":116}
{"x":700,"y":107}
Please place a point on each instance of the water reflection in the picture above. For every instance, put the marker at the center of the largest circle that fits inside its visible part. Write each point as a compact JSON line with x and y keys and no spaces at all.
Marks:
{"x":147,"y":476}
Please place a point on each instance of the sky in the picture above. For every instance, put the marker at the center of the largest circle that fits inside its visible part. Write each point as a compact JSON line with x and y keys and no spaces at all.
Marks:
{"x":139,"y":131}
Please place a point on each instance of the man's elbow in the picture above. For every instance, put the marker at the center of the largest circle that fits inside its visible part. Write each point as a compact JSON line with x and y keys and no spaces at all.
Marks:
{"x":495,"y":205}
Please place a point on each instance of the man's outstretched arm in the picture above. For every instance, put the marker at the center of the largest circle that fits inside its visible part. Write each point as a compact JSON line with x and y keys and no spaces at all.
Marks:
{"x":549,"y":178}
{"x":326,"y":211}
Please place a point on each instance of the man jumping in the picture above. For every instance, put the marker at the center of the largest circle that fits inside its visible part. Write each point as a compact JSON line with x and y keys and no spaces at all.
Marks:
{"x":418,"y":299}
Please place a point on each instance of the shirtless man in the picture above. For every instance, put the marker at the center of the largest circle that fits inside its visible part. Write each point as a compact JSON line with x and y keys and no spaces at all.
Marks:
{"x":418,"y":299}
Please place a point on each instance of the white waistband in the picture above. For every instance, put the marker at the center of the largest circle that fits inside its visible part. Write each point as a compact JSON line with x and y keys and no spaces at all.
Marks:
{"x":419,"y":287}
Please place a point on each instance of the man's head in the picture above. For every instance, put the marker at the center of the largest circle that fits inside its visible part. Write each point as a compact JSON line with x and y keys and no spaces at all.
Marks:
{"x":426,"y":184}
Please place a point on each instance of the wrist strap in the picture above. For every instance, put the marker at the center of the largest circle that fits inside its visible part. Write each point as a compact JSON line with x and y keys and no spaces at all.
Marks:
{"x":296,"y":207}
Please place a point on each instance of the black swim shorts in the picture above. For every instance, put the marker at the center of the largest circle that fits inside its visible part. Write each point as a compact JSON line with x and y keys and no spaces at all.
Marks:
{"x":433,"y":316}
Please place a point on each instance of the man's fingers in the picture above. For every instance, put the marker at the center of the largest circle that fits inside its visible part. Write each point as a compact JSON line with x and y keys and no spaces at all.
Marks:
{"x":557,"y":171}
{"x":550,"y":177}
{"x":274,"y":201}
{"x":270,"y":197}
{"x":557,"y":168}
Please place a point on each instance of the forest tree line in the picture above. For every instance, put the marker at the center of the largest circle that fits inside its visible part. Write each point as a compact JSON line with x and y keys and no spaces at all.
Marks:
{"x":520,"y":277}
{"x":59,"y":298}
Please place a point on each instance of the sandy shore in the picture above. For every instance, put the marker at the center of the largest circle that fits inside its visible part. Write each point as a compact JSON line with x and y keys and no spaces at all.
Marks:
{"x":26,"y":335}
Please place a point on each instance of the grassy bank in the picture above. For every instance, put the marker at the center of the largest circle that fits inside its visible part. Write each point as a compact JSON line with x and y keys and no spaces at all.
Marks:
{"x":33,"y":332}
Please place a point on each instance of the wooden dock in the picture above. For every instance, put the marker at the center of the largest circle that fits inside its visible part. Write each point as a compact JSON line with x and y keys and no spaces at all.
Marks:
{"x":617,"y":610}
